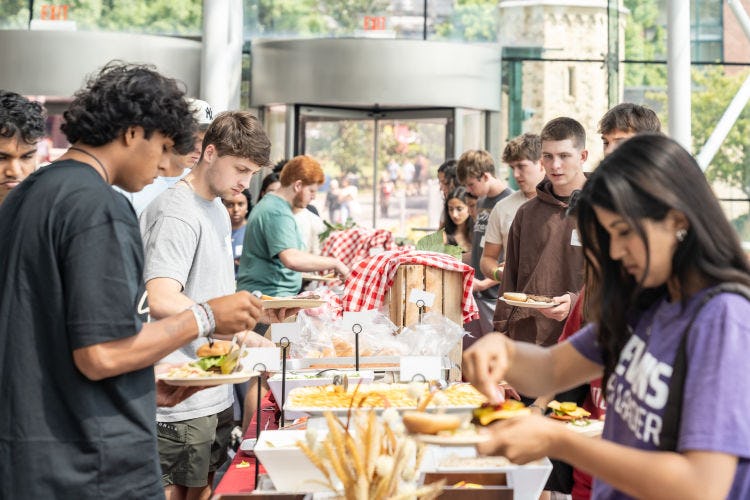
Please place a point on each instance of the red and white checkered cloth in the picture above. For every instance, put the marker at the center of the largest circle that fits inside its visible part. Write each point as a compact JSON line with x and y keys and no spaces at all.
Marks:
{"x":358,"y":243}
{"x":372,"y":278}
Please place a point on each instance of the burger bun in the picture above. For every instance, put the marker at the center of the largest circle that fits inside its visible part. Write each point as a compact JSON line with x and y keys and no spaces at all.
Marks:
{"x":219,"y":348}
{"x":419,"y":422}
{"x":516,"y":296}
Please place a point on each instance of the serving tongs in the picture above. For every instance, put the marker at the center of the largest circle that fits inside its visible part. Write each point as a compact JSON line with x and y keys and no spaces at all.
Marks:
{"x":341,"y":379}
{"x":236,"y":354}
{"x":433,"y":387}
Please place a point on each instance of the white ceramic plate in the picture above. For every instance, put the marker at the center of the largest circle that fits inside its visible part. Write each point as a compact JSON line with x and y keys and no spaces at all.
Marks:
{"x":531,"y":304}
{"x":211,"y":380}
{"x":467,"y":439}
{"x":291,"y":302}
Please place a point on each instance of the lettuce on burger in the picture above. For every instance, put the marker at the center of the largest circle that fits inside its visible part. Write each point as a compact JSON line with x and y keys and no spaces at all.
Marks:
{"x":221,"y":357}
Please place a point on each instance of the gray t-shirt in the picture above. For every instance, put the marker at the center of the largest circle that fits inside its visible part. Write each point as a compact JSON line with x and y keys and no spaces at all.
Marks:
{"x":189,"y":239}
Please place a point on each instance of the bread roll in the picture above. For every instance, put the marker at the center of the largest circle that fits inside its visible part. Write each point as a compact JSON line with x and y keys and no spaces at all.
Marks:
{"x":419,"y":422}
{"x":220,"y":348}
{"x":515,"y":296}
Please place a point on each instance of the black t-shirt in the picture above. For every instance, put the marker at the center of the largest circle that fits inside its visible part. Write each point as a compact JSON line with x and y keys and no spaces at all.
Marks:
{"x":72,"y":267}
{"x":484,"y":207}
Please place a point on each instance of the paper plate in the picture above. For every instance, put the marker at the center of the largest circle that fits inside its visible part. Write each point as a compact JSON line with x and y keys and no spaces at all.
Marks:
{"x":292,"y":302}
{"x":456,"y":440}
{"x":531,"y":304}
{"x":210,"y":380}
{"x":593,"y":429}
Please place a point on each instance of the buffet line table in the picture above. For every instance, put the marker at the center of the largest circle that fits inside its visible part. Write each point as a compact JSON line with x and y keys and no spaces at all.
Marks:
{"x":240,"y":476}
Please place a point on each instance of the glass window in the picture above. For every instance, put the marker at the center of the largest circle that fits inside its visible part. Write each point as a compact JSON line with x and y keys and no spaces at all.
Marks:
{"x":158,"y":17}
{"x":14,"y":15}
{"x":381,"y":168}
{"x":707,"y":32}
{"x":475,"y":21}
{"x":474,"y":126}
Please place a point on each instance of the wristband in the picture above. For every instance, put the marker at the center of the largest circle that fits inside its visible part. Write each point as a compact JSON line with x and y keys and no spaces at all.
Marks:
{"x":494,"y":274}
{"x":201,"y":319}
{"x":211,"y":321}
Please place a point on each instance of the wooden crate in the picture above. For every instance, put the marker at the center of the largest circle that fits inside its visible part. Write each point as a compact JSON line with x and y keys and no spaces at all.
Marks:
{"x":448,"y":288}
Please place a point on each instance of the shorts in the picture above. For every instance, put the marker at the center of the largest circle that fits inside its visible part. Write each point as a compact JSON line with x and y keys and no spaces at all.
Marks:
{"x":191,"y":449}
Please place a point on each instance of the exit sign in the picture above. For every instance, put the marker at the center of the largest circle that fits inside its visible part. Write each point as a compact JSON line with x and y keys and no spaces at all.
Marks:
{"x":374,"y":23}
{"x":49,"y":12}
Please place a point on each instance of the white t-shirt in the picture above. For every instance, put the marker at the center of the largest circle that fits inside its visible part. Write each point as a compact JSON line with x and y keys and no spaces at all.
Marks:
{"x":310,"y":226}
{"x":501,"y":217}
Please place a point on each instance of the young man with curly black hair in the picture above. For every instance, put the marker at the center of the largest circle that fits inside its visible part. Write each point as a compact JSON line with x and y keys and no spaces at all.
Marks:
{"x":76,"y":370}
{"x":21,"y":128}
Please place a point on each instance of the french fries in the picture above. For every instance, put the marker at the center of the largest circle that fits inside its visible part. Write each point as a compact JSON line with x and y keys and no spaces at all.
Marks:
{"x":377,"y":461}
{"x":382,"y":396}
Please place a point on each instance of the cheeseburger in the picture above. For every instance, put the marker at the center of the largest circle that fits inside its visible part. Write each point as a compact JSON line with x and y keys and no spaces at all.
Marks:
{"x":488,"y":413}
{"x":221,"y":357}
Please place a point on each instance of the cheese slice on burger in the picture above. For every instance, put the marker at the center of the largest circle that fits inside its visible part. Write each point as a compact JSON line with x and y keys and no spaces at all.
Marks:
{"x":567,"y":411}
{"x":486,"y":414}
{"x":220,"y":357}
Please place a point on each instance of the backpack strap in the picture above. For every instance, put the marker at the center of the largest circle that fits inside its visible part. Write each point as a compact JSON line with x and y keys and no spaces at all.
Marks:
{"x":673,"y":411}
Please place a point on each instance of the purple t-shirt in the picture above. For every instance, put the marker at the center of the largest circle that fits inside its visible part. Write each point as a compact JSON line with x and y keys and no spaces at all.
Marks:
{"x":716,"y":403}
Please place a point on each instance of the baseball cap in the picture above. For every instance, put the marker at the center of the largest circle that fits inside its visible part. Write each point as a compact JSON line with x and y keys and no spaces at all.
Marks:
{"x":202,"y":112}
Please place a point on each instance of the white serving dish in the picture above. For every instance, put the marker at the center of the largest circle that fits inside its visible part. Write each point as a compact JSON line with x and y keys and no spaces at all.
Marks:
{"x":286,"y":464}
{"x":308,"y":380}
{"x":527,"y":480}
{"x":311,"y":395}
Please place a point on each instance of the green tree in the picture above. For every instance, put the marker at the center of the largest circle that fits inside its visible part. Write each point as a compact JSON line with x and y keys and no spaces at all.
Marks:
{"x":178,"y":17}
{"x":351,"y":148}
{"x":170,"y":17}
{"x":471,"y":21}
{"x":14,"y":14}
{"x":294,"y":17}
{"x":713,"y":90}
{"x":645,"y":40}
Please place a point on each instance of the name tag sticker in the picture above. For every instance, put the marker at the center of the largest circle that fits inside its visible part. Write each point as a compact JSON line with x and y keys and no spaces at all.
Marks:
{"x":268,"y":356}
{"x":574,"y":239}
{"x":429,"y":367}
{"x":427,"y":297}
{"x":288,"y":330}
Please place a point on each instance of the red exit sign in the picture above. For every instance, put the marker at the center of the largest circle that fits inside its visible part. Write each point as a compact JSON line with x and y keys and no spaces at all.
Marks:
{"x":374,"y":23}
{"x":49,"y":12}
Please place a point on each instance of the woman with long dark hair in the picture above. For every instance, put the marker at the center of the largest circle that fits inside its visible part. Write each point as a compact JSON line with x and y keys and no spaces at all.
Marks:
{"x":667,"y":334}
{"x":459,"y":225}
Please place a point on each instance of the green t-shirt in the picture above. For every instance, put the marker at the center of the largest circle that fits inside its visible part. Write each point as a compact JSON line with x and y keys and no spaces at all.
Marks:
{"x":271,"y":229}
